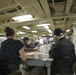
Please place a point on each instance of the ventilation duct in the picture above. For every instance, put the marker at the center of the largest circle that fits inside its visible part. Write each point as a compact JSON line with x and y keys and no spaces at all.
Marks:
{"x":50,"y":1}
{"x":12,"y":10}
{"x":2,"y":12}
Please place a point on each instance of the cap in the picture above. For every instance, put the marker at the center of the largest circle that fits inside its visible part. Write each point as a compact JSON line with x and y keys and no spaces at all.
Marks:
{"x":25,"y":38}
{"x":58,"y":32}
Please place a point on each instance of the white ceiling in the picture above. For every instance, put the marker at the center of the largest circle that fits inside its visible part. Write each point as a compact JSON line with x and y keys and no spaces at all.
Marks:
{"x":59,"y":13}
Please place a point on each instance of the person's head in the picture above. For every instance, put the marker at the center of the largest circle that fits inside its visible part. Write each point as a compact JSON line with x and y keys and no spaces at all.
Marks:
{"x":58,"y":34}
{"x":9,"y":32}
{"x":25,"y":40}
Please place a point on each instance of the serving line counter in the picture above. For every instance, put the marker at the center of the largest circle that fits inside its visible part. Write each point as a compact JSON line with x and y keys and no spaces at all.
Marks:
{"x":39,"y":59}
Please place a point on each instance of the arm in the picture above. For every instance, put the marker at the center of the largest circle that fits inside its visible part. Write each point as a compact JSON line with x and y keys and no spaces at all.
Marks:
{"x":27,"y":49}
{"x":55,"y":52}
{"x":22,"y":54}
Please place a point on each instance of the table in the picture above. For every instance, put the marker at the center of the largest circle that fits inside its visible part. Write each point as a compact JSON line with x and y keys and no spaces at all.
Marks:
{"x":39,"y":59}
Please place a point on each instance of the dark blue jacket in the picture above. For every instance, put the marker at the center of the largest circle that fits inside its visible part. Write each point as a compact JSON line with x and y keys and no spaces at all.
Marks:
{"x":63,"y":53}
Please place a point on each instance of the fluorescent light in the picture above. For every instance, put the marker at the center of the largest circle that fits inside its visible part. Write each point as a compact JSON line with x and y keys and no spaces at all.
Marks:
{"x":23,"y":18}
{"x":34,"y":31}
{"x":68,"y":30}
{"x":50,"y":34}
{"x":22,"y":37}
{"x":46,"y":27}
{"x":43,"y":35}
{"x":26,"y":27}
{"x":43,"y":24}
{"x":20,"y":32}
{"x":35,"y":35}
{"x":49,"y":31}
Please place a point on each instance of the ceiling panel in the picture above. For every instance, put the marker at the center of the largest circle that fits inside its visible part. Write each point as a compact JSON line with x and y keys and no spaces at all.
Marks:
{"x":59,"y":13}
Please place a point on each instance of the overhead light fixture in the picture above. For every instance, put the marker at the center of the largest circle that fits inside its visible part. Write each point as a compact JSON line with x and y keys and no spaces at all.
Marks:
{"x":50,"y":34}
{"x":49,"y":31}
{"x":22,"y":37}
{"x":26,"y":27}
{"x":34,"y":31}
{"x":43,"y":35}
{"x":68,"y":30}
{"x":43,"y":24}
{"x":46,"y":27}
{"x":35,"y":35}
{"x":23,"y":18}
{"x":20,"y":32}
